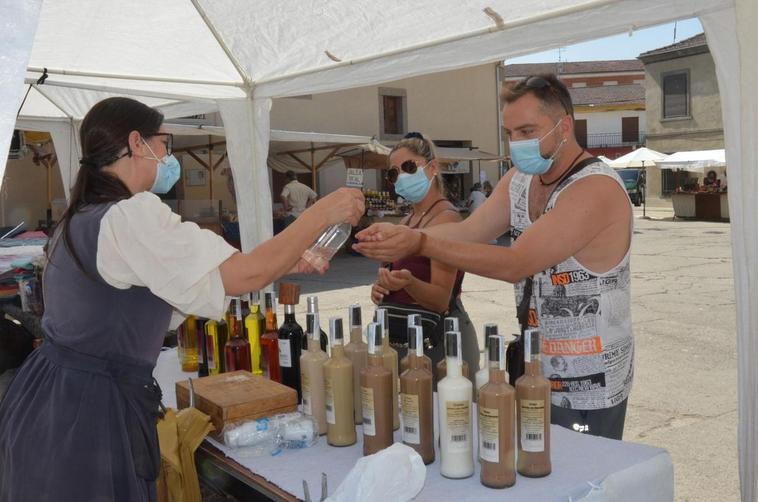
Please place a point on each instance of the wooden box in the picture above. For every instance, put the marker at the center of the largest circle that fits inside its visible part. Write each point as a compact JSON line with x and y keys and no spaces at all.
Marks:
{"x":235,"y":397}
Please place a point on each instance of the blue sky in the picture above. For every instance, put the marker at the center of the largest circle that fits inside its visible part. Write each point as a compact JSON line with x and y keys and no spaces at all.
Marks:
{"x":620,"y":46}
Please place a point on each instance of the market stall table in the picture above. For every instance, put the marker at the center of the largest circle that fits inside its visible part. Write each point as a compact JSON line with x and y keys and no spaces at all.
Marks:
{"x":625,"y":471}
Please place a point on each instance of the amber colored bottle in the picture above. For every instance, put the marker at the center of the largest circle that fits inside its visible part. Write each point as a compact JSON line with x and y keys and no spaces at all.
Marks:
{"x":290,"y":339}
{"x":417,"y":406}
{"x":414,"y":320}
{"x":270,"y":342}
{"x":376,"y":396}
{"x":187,"y":342}
{"x":451,"y":324}
{"x":357,"y":352}
{"x":391,"y":363}
{"x":533,"y":412}
{"x":497,"y":421}
{"x":237,"y":348}
{"x":338,"y":387}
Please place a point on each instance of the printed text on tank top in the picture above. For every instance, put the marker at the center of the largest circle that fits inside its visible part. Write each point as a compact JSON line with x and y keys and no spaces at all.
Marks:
{"x":540,"y":193}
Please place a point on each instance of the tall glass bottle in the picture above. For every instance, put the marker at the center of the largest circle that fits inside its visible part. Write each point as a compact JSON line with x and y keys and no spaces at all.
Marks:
{"x":483,"y":375}
{"x":497,"y":421}
{"x":312,"y":374}
{"x":237,"y":348}
{"x":253,"y":328}
{"x":202,"y":348}
{"x":451,"y":324}
{"x":357,"y":352}
{"x":414,"y":320}
{"x":270,"y":342}
{"x":454,"y":394}
{"x":312,"y":302}
{"x":216,"y":337}
{"x":533,"y":412}
{"x":327,"y":245}
{"x":391,"y":363}
{"x":376,"y":394}
{"x":186,"y":338}
{"x":417,"y":408}
{"x":338,"y":386}
{"x":290,"y":338}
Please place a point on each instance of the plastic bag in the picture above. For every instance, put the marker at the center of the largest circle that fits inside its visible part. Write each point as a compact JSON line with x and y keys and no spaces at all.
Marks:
{"x":269,"y":435}
{"x":394,"y":474}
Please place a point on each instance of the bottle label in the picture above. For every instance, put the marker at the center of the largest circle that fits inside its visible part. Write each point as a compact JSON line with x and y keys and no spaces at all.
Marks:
{"x":458,"y":425}
{"x":285,"y":354}
{"x":367,"y":406}
{"x":489,"y":437}
{"x":305,"y":388}
{"x":410,"y":419}
{"x":532,"y":425}
{"x":329,"y":392}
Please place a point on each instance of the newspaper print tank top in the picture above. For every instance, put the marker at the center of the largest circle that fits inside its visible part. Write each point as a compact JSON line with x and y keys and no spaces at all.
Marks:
{"x":584,"y":316}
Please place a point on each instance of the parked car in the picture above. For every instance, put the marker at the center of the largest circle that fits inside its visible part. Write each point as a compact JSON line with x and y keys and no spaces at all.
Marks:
{"x":634,"y":180}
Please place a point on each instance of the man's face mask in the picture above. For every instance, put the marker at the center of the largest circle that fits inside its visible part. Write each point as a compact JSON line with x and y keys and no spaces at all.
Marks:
{"x":526,"y":154}
{"x":166,"y":174}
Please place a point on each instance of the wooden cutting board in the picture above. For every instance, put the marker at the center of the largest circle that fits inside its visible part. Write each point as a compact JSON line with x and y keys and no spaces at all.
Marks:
{"x":235,"y":397}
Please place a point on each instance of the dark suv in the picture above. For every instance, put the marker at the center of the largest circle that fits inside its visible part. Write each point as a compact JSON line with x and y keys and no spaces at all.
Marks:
{"x":634,"y":180}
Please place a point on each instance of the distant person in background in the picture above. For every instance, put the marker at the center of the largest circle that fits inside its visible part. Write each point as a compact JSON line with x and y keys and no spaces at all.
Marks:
{"x":476,"y":198}
{"x":711,"y":180}
{"x":487,"y":188}
{"x":296,"y":197}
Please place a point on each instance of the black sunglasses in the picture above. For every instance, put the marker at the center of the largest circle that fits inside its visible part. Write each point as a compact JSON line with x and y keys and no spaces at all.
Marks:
{"x":409,"y":166}
{"x":537,"y":82}
{"x":169,"y":140}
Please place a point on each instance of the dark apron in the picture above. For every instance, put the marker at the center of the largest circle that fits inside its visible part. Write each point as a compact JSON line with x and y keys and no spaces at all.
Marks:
{"x":141,"y":397}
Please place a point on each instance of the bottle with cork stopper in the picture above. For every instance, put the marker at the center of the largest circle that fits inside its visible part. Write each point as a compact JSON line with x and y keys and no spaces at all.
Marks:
{"x":290,"y":339}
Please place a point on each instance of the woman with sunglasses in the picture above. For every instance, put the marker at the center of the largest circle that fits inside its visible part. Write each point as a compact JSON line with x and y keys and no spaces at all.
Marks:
{"x":79,"y":420}
{"x":415,"y":284}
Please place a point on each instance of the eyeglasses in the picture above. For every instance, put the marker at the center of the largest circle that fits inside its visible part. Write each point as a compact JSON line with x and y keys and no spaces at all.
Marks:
{"x":537,"y":82}
{"x":169,"y":140}
{"x":409,"y":167}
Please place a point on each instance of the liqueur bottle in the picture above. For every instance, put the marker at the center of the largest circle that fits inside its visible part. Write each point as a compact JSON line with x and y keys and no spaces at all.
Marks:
{"x":312,"y":374}
{"x":237,"y":348}
{"x":338,"y":387}
{"x":376,"y":396}
{"x":417,"y":415}
{"x":357,"y":352}
{"x":270,"y":342}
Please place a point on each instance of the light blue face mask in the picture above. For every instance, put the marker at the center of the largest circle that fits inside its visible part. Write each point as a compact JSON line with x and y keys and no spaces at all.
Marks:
{"x":526,"y":155}
{"x":166,"y":174}
{"x":413,"y":187}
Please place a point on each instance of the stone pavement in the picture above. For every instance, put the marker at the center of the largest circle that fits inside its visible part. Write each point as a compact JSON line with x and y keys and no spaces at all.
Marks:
{"x":684,"y":397}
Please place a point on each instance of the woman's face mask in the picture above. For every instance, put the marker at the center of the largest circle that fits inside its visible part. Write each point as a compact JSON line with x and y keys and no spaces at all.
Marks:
{"x":527,"y":157}
{"x":413,"y":187}
{"x":167,"y":172}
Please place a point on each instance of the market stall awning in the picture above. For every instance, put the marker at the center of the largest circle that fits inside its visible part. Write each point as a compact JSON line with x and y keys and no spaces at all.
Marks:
{"x":694,"y":161}
{"x":641,"y":157}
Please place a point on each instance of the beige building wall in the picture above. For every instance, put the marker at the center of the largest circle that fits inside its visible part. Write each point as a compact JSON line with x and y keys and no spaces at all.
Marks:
{"x":24,"y":192}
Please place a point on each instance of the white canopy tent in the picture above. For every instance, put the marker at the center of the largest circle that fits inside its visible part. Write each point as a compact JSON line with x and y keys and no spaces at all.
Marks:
{"x":189,"y":57}
{"x":641,"y":157}
{"x":694,"y":161}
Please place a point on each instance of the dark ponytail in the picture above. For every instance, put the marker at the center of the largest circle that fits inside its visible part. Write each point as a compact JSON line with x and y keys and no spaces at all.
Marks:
{"x":104,"y":137}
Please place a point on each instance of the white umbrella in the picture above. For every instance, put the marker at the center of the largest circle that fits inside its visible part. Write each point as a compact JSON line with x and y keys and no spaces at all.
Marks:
{"x":641,"y":157}
{"x":604,"y":159}
{"x":694,"y":161}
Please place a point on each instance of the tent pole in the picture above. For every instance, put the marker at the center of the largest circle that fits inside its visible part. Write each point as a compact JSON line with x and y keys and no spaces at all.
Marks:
{"x":144,"y":78}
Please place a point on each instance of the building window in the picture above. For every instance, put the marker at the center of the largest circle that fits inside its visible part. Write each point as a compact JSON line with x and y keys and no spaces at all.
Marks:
{"x":630,"y":130}
{"x":676,"y":92}
{"x":392,"y":113}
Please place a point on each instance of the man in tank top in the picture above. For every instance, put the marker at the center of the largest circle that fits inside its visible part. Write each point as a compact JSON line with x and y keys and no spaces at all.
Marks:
{"x":572,"y":225}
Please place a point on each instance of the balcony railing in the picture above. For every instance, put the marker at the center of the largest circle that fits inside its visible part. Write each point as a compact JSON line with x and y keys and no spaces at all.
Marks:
{"x":612,"y":139}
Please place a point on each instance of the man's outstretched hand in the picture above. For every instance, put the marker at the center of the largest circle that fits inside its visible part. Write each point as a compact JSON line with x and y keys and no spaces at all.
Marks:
{"x":387,"y":242}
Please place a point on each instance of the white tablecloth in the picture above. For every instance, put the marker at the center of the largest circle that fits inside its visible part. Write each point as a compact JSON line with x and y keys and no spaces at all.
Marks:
{"x":618,"y":470}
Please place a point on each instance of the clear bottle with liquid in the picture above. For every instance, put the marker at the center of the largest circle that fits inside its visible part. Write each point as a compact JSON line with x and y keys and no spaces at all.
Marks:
{"x":496,"y":406}
{"x":338,"y":387}
{"x":327,"y":245}
{"x":454,"y":395}
{"x":391,"y":363}
{"x":186,"y":337}
{"x":216,"y":335}
{"x":533,"y":412}
{"x":253,"y":328}
{"x":357,"y":352}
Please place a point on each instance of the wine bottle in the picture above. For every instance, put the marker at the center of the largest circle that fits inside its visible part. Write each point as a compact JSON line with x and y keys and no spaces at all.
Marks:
{"x":290,"y":339}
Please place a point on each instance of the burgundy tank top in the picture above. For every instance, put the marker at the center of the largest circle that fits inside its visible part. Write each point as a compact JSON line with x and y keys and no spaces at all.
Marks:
{"x":421,"y":268}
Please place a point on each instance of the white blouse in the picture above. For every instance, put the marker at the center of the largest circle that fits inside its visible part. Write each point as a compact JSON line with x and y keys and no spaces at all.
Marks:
{"x":143,"y":243}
